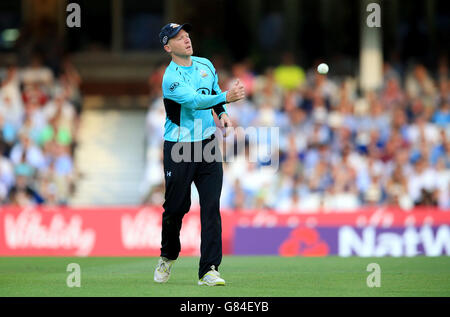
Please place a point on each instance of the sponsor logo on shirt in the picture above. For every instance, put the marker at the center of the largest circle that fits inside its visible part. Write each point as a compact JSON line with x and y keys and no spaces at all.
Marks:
{"x":174,"y":86}
{"x":203,"y":91}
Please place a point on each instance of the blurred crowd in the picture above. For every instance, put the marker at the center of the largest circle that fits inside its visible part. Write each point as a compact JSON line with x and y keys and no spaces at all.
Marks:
{"x":39,"y":115}
{"x":339,"y":148}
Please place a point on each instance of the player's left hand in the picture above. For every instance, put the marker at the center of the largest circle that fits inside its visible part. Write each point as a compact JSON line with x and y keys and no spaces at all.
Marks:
{"x":225,"y":123}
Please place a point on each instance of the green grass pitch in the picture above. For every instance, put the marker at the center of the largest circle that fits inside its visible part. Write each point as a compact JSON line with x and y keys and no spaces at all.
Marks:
{"x":261,"y":276}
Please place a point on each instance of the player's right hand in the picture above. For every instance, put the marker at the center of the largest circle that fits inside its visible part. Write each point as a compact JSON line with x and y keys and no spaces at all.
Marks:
{"x":236,"y":92}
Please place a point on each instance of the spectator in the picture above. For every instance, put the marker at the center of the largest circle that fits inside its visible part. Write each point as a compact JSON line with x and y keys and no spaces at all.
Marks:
{"x":238,"y":197}
{"x":70,"y":81}
{"x":6,"y":175}
{"x":242,"y":72}
{"x":422,"y":183}
{"x":289,"y":75}
{"x":155,"y":81}
{"x":27,"y":152}
{"x":61,"y":110}
{"x":443,"y":182}
{"x":10,"y":110}
{"x":57,"y":176}
{"x":10,"y":85}
{"x":397,"y":190}
{"x":37,"y":73}
{"x":420,"y":84}
{"x":268,"y":91}
{"x":442,"y":116}
{"x":392,"y":94}
{"x":22,"y":193}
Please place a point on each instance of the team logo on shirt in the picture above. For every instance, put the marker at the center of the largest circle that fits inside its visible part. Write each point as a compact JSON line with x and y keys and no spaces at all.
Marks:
{"x":203,"y":73}
{"x":174,"y":86}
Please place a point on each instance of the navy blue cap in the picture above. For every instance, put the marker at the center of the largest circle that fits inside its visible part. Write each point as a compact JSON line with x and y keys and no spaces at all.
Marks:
{"x":170,"y":30}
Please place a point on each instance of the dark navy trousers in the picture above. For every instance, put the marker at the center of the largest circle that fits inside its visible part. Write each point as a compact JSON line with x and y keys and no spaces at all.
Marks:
{"x":207,"y":176}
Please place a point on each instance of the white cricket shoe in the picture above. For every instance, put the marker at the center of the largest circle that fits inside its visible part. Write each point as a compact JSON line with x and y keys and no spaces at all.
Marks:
{"x":162,"y":271}
{"x":212,"y":278}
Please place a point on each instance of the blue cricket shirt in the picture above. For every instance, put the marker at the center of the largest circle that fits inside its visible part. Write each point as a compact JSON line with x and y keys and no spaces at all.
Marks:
{"x":189,"y":94}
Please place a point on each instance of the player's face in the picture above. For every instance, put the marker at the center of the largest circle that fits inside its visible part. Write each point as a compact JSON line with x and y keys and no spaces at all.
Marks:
{"x":180,"y":44}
